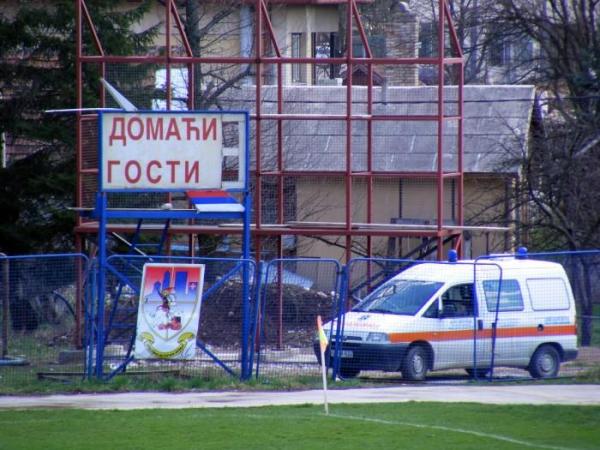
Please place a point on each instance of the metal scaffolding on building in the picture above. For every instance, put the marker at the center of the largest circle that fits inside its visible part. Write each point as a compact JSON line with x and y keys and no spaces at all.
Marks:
{"x":268,"y":53}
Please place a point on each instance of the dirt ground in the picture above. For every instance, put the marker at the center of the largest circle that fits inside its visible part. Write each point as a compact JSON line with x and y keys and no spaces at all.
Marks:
{"x":589,"y":355}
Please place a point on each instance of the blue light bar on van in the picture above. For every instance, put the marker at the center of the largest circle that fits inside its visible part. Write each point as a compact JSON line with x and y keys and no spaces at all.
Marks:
{"x":452,"y":256}
{"x":521,"y":253}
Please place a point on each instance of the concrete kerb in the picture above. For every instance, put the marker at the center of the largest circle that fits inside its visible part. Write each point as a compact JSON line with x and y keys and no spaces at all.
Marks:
{"x":496,"y":394}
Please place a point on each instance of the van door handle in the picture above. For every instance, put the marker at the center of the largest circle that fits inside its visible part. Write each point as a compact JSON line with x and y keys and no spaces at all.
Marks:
{"x":480,"y":324}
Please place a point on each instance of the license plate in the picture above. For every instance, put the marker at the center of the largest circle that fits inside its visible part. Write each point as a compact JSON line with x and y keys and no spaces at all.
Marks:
{"x":347,"y":354}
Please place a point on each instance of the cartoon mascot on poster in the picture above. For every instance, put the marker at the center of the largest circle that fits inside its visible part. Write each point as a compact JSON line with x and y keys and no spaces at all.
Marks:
{"x":167,"y":316}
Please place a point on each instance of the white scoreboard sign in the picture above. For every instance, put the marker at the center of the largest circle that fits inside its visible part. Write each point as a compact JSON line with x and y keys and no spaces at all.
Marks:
{"x":160,"y":151}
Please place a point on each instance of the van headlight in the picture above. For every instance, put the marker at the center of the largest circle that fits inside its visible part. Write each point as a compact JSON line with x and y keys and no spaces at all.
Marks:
{"x":378,"y":337}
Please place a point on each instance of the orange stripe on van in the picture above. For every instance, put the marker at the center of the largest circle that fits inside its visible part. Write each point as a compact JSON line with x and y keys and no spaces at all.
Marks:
{"x":457,"y":335}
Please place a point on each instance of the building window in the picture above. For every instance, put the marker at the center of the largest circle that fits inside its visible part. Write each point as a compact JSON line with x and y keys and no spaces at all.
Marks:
{"x":523,"y":51}
{"x":324,"y":46}
{"x":377,"y":45}
{"x":428,"y":42}
{"x":500,"y":52}
{"x":298,"y":75}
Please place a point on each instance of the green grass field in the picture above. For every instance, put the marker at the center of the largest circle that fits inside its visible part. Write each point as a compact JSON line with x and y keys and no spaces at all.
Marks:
{"x":379,"y":426}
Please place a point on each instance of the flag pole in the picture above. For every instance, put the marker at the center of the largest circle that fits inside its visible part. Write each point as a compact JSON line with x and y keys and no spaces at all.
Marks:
{"x":323,"y":342}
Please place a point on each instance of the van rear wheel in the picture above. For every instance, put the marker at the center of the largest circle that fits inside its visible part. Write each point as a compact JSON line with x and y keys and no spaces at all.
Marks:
{"x":545,"y":362}
{"x":416,"y":363}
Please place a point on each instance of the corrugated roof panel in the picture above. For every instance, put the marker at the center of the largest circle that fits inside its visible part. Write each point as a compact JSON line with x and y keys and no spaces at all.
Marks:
{"x":496,"y":124}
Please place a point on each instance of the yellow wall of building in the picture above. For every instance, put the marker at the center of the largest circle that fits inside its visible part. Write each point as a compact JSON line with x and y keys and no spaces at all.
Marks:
{"x":322,"y":200}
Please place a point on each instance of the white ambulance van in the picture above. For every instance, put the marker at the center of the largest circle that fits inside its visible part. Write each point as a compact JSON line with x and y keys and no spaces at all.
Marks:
{"x":511,"y":312}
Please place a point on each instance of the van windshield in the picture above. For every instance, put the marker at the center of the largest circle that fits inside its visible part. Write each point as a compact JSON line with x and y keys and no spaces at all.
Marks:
{"x":404,"y":297}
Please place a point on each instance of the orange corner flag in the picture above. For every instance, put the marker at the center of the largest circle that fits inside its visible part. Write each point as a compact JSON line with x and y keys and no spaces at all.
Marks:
{"x":323,"y":341}
{"x":322,"y":336}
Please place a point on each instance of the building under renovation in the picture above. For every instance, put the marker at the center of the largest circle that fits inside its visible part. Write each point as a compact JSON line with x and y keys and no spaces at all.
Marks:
{"x":351,"y":153}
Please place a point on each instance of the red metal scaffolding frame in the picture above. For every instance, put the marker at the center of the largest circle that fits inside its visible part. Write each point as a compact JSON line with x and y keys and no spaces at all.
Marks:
{"x":263,"y":27}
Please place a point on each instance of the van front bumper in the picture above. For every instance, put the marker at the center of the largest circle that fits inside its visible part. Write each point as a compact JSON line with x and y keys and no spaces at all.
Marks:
{"x":363,"y":356}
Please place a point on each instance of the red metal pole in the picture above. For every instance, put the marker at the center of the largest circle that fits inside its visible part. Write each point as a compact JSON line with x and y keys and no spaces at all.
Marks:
{"x":84,"y":13}
{"x":168,"y":12}
{"x":440,"y":129}
{"x":280,"y":194}
{"x":79,"y":295}
{"x":99,"y":48}
{"x":191,"y":101}
{"x":181,"y":29}
{"x":78,"y":105}
{"x":258,"y":124}
{"x":5,"y":306}
{"x":168,"y":52}
{"x":78,"y":158}
{"x":349,"y":129}
{"x":460,"y":144}
{"x":369,"y":186}
{"x":266,"y":60}
{"x":369,"y":167}
{"x":280,"y":161}
{"x":269,"y":26}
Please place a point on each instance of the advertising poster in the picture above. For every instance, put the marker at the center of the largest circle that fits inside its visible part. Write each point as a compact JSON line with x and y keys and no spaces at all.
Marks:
{"x":169,"y":311}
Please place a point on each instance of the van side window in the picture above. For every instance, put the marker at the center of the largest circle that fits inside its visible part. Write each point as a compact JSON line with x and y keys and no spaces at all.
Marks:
{"x":505,"y":294}
{"x":548,"y":294}
{"x":457,"y":301}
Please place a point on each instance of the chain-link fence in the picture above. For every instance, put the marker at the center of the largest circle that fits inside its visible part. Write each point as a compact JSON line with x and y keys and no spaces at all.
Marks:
{"x":499,"y":318}
{"x":396,"y":323}
{"x":546,"y":293}
{"x":293,"y":293}
{"x":41,"y":318}
{"x":224,"y":316}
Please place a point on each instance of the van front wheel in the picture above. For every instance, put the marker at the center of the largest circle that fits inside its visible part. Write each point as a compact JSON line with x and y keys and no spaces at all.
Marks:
{"x":545,"y":362}
{"x":416,"y":363}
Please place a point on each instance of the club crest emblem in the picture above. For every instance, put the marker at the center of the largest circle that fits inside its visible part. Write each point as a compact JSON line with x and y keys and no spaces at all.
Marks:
{"x":169,"y":311}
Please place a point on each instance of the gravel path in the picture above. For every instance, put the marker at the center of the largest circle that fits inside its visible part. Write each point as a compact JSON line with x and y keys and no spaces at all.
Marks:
{"x":499,"y":394}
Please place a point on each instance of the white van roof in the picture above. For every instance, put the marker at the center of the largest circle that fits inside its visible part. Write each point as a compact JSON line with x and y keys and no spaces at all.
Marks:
{"x":463,"y":271}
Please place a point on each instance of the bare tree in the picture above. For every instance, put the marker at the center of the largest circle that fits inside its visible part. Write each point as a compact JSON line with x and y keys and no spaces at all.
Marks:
{"x":560,"y":183}
{"x":568,"y":34}
{"x":222,"y":29}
